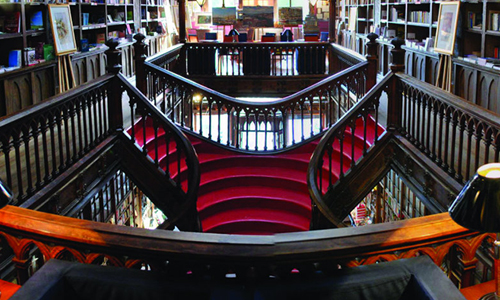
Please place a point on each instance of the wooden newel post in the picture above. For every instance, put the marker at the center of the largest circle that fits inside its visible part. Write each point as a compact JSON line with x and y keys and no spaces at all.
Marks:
{"x":372,"y":58}
{"x":114,"y":67}
{"x":114,"y":57}
{"x":395,"y":99}
{"x":140,"y":58}
{"x":398,"y":55}
{"x":22,"y":267}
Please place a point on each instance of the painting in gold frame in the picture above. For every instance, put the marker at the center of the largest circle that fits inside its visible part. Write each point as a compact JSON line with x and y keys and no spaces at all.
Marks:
{"x":62,"y":29}
{"x":446,"y":32}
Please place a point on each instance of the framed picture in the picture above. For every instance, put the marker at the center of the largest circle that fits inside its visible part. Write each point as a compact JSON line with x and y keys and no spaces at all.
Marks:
{"x":223,"y":15}
{"x":446,"y":32}
{"x":258,"y":16}
{"x":290,"y":15}
{"x":62,"y":29}
{"x":203,"y":19}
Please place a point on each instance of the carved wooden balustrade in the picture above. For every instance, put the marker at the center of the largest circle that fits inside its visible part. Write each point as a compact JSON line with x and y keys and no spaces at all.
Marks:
{"x":250,"y":126}
{"x":337,"y":152}
{"x":194,"y":255}
{"x":457,"y":135}
{"x":40,"y":144}
{"x":451,"y":133}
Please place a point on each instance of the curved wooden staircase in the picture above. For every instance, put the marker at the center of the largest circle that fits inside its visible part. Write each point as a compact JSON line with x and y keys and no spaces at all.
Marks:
{"x":257,"y":194}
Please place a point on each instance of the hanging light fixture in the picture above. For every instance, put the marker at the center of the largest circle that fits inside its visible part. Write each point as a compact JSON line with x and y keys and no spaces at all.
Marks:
{"x":201,"y":3}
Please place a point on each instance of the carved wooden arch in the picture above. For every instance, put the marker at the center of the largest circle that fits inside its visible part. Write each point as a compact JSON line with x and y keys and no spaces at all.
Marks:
{"x":476,"y":242}
{"x":38,"y":87}
{"x":133,"y":263}
{"x":444,"y":249}
{"x":13,"y":242}
{"x":483,"y":83}
{"x":378,"y":258}
{"x":428,"y":251}
{"x":26,"y":244}
{"x":58,"y":251}
{"x":470,"y":95}
{"x":93,"y":257}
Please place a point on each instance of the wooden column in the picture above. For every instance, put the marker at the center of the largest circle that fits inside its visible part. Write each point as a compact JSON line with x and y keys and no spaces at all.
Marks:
{"x":469,"y":268}
{"x":398,"y":55}
{"x":331,"y":21}
{"x":372,"y":58}
{"x":114,"y":67}
{"x":140,"y":57}
{"x":395,"y":97}
{"x":22,"y":267}
{"x":182,"y":21}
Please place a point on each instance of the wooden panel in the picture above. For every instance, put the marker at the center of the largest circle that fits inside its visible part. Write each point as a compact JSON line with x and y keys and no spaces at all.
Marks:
{"x":80,"y":71}
{"x":43,"y":85}
{"x":487,"y":91}
{"x":19,"y":93}
{"x":409,"y":63}
{"x":432,"y":69}
{"x":465,"y":82}
{"x":419,"y":66}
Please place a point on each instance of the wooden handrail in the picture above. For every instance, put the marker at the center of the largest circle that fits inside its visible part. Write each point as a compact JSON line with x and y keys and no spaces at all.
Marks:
{"x":139,"y":105}
{"x":35,"y":164}
{"x":366,"y":108}
{"x":457,"y":135}
{"x":178,"y":102}
{"x":88,"y":241}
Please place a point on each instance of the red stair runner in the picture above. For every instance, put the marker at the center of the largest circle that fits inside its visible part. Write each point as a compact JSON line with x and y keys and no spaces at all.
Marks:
{"x":256,"y":194}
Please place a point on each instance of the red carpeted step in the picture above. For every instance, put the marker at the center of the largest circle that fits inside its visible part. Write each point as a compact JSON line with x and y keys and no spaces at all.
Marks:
{"x":298,"y":204}
{"x":258,"y":194}
{"x":272,"y":217}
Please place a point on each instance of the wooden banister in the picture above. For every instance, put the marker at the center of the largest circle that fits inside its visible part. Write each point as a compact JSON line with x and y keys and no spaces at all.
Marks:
{"x":126,"y":247}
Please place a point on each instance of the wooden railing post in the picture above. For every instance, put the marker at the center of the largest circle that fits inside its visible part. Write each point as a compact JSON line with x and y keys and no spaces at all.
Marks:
{"x":182,"y":25}
{"x":394,"y":100}
{"x":22,"y":267}
{"x":115,"y":92}
{"x":398,"y":55}
{"x":372,"y":58}
{"x":140,"y":57}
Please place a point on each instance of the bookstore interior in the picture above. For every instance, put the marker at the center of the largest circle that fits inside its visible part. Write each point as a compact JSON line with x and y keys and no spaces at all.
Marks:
{"x":34,"y":31}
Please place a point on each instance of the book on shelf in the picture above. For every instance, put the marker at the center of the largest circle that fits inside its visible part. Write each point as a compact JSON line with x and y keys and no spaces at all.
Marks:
{"x":100,"y":38}
{"x":15,"y":58}
{"x":494,"y":20}
{"x":475,"y":20}
{"x":36,"y":21}
{"x":12,"y":23}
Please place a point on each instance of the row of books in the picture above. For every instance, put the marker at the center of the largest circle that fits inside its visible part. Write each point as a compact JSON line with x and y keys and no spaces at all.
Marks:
{"x":494,"y":20}
{"x":419,"y":16}
{"x":475,"y":20}
{"x":359,"y":2}
{"x":396,"y":15}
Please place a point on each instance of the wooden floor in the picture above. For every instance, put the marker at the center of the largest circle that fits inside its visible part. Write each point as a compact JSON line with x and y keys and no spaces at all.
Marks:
{"x":477,"y":291}
{"x":7,"y":289}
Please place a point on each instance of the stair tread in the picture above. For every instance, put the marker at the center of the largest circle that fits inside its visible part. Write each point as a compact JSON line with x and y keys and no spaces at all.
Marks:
{"x":256,"y":215}
{"x":253,"y":192}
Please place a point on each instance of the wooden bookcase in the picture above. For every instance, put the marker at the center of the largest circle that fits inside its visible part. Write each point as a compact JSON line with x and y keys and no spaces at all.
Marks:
{"x":94,"y":20}
{"x":482,"y":36}
{"x":24,"y":36}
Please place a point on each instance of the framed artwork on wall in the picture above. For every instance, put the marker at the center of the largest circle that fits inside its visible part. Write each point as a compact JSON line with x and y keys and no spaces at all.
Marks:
{"x":62,"y":29}
{"x":203,"y":19}
{"x":223,"y":15}
{"x":446,"y":32}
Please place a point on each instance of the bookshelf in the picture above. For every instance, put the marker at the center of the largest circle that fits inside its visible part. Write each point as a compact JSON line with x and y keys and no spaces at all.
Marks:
{"x":412,"y":20}
{"x":93,"y":20}
{"x":18,"y":32}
